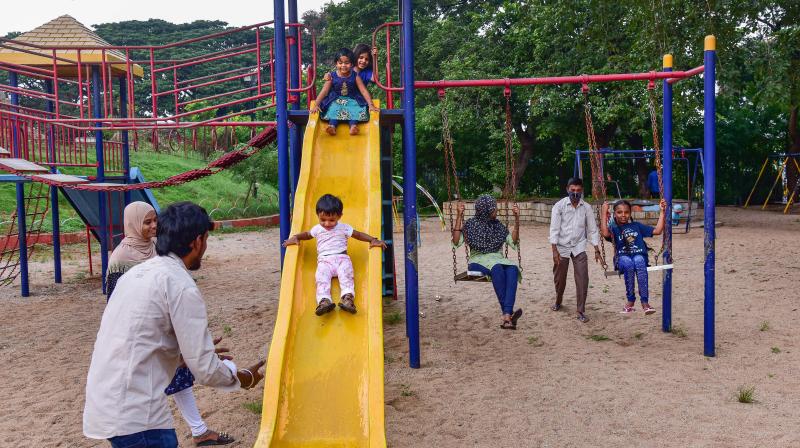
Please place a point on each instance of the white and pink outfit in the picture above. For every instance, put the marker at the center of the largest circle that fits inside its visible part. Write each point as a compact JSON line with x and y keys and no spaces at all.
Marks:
{"x":332,"y":260}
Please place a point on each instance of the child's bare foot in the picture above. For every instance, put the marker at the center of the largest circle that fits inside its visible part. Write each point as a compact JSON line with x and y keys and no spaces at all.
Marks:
{"x":331,"y":130}
{"x":325,"y":306}
{"x":353,"y":130}
{"x":346,"y":304}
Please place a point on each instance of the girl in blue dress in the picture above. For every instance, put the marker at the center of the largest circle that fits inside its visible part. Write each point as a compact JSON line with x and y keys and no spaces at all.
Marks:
{"x":344,"y":97}
{"x":364,"y":60}
{"x":630,"y":254}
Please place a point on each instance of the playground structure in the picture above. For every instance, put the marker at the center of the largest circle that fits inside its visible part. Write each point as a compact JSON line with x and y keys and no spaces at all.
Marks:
{"x":81,"y":107}
{"x":74,"y":99}
{"x":693,"y":157}
{"x":781,"y":163}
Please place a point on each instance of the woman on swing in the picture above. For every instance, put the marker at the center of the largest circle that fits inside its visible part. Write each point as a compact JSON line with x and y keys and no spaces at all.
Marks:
{"x":485,"y":236}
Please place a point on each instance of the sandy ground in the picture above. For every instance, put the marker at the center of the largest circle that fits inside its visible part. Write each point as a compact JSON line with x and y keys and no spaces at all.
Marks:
{"x":549,"y":384}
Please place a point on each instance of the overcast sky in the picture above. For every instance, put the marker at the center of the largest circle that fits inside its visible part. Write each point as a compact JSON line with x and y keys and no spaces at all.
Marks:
{"x":27,"y":16}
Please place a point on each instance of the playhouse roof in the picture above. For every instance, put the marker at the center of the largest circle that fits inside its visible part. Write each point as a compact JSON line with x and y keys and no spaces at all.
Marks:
{"x":64,"y":31}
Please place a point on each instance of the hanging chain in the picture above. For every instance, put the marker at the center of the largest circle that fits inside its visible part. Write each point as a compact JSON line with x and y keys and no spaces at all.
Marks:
{"x":510,"y":190}
{"x":598,"y":185}
{"x":451,"y":177}
{"x":665,"y":242}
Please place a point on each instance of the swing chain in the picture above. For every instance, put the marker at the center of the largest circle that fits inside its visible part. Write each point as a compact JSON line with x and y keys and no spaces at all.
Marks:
{"x":598,"y":185}
{"x":510,"y":190}
{"x":451,"y":177}
{"x":665,"y":242}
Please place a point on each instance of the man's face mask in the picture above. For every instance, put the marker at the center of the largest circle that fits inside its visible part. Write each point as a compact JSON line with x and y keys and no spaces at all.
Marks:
{"x":575,"y":196}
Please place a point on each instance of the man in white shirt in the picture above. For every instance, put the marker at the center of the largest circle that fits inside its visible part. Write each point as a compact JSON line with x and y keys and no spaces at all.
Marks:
{"x":155,"y":317}
{"x":572,"y":223}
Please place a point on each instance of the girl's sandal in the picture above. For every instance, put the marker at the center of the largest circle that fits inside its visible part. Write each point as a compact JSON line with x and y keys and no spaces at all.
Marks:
{"x":649,"y":310}
{"x":222,"y":439}
{"x":515,"y":317}
{"x":325,"y":306}
{"x":582,"y":317}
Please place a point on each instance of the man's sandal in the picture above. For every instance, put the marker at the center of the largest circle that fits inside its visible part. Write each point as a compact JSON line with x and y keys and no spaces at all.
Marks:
{"x":582,"y":317}
{"x":346,"y":304}
{"x":325,"y":306}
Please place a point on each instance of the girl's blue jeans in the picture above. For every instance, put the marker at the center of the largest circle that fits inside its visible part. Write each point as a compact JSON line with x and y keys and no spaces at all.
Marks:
{"x":504,"y":279}
{"x":634,"y":267}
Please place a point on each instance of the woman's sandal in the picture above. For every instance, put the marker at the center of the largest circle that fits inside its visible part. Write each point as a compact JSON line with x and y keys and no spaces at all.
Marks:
{"x":223,"y":438}
{"x":555,"y":307}
{"x":515,"y":317}
{"x":346,"y":304}
{"x":508,"y":325}
{"x":582,"y":317}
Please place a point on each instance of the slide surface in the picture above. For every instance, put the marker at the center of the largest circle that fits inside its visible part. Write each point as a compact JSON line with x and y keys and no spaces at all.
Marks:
{"x":324,"y":376}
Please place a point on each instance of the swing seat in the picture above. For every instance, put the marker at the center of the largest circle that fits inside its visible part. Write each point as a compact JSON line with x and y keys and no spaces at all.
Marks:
{"x":472,"y":276}
{"x":661,"y":267}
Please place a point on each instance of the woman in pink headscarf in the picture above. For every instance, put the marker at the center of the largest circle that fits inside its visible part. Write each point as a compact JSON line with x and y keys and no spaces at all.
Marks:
{"x":139,"y":244}
{"x":141,"y":223}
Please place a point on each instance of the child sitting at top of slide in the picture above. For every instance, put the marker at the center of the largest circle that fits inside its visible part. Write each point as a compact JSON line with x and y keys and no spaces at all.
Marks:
{"x":363,"y":66}
{"x":630,"y":249}
{"x":344,"y":96}
{"x":332,"y":258}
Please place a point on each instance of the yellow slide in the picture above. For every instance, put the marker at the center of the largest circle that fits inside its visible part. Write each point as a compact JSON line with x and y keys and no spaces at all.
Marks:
{"x":324,"y":377}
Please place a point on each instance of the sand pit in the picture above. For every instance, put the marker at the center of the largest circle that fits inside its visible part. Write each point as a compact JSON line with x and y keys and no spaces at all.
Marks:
{"x":617,"y":381}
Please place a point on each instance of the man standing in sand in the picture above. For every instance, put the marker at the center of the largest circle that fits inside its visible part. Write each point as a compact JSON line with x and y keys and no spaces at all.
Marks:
{"x":571,"y":225}
{"x":156,"y":317}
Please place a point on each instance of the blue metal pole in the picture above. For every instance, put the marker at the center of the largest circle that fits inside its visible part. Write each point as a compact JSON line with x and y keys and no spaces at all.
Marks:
{"x":51,"y":156}
{"x":123,"y":112}
{"x":295,"y":154}
{"x":709,"y":181}
{"x":22,"y":240}
{"x":97,"y":105}
{"x":666,"y":146}
{"x":410,"y":187}
{"x":281,"y":118}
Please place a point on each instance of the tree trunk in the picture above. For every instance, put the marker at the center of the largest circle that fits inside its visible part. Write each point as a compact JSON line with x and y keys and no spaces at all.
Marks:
{"x":792,"y":176}
{"x":526,"y":140}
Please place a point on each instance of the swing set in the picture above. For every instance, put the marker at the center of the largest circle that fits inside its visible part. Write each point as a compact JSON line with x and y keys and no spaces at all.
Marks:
{"x":595,"y":155}
{"x":508,"y":197}
{"x":789,"y":193}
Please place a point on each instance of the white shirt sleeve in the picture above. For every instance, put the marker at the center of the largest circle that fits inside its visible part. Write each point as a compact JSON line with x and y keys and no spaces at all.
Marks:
{"x":346,"y":228}
{"x":315,"y":230}
{"x":555,"y":223}
{"x":592,"y":233}
{"x":190,"y":322}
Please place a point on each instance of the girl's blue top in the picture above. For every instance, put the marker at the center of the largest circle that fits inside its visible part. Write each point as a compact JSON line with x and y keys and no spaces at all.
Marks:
{"x":343,"y":87}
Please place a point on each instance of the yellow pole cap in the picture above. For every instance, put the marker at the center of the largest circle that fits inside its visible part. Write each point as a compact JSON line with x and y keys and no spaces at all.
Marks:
{"x":710,"y":43}
{"x":667,"y":61}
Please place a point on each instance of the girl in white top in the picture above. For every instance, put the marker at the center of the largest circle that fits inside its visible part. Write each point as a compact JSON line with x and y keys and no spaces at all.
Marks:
{"x":332,"y":258}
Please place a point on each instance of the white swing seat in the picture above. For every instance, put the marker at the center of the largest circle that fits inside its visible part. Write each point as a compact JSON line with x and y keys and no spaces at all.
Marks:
{"x":661,"y":267}
{"x":472,"y":276}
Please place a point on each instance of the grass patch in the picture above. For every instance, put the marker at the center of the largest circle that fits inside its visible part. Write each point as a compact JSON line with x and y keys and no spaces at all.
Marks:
{"x":393,"y":318}
{"x":776,"y":350}
{"x":638,"y":335}
{"x":226,"y":230}
{"x":387,"y":359}
{"x":746,"y":394}
{"x":605,"y":289}
{"x":222,"y":194}
{"x":764,"y":326}
{"x":599,"y":338}
{"x":227,"y":330}
{"x":679,"y":331}
{"x":532,"y":340}
{"x":253,"y":406}
{"x":405,"y":390}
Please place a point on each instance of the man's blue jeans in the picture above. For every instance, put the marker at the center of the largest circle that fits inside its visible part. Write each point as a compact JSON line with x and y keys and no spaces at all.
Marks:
{"x":154,"y":438}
